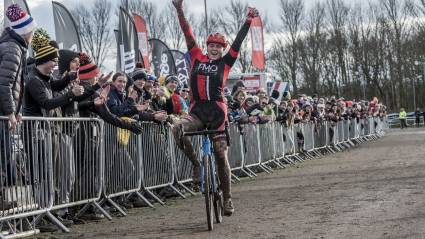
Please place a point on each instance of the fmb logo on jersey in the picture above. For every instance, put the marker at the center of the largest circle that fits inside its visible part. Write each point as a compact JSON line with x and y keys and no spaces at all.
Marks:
{"x":208,"y":68}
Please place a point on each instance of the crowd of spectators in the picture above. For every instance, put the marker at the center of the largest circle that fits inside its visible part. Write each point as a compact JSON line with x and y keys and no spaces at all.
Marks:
{"x":63,"y":83}
{"x":260,"y":108}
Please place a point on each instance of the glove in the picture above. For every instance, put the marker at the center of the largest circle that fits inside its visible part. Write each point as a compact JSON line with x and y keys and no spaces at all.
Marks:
{"x":252,"y":13}
{"x":134,"y":127}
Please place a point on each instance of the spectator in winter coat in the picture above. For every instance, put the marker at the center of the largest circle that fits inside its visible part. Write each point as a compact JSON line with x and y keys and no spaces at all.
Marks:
{"x":151,"y":81}
{"x":38,"y":96}
{"x":175,"y":104}
{"x":40,"y":101}
{"x":123,"y":106}
{"x":236,"y":111}
{"x":283,"y":113}
{"x":261,"y":111}
{"x":139,"y":77}
{"x":14,"y":42}
{"x":238,"y":86}
{"x":158,"y":102}
{"x":185,"y":94}
{"x":118,"y":103}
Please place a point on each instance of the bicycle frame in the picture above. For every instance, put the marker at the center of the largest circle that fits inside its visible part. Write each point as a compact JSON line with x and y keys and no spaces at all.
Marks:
{"x":206,"y":151}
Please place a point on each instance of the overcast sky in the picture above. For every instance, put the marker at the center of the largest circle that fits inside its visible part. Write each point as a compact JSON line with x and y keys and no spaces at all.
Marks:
{"x":41,"y":10}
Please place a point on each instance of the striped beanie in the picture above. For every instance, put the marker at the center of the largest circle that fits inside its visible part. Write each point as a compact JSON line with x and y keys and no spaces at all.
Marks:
{"x":20,"y":21}
{"x":88,"y":69}
{"x":41,"y":44}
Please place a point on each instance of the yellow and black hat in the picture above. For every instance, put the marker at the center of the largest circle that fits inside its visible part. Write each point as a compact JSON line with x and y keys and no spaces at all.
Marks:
{"x":41,"y":44}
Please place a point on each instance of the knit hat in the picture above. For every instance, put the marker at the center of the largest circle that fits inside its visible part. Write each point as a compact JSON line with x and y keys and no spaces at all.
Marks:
{"x":65,"y":58}
{"x":20,"y":21}
{"x":237,"y":92}
{"x":88,"y":69}
{"x":170,"y":78}
{"x":44,"y":51}
{"x":152,"y":78}
{"x":139,"y":74}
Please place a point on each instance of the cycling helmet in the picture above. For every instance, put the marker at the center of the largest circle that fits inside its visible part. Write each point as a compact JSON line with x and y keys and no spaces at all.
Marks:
{"x":218,"y":39}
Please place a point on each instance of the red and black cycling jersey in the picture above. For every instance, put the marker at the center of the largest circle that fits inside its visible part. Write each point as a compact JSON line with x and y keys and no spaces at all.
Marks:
{"x":208,"y":77}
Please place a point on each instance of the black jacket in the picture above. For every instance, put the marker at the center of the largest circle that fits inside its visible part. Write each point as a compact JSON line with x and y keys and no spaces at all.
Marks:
{"x":13,"y":51}
{"x":38,"y":96}
{"x":87,"y":109}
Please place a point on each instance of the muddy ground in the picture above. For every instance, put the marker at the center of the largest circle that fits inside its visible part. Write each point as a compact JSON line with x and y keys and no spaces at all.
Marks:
{"x":372,"y":191}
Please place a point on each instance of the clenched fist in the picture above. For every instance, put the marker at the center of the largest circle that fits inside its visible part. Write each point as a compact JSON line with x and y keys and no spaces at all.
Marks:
{"x":252,"y":13}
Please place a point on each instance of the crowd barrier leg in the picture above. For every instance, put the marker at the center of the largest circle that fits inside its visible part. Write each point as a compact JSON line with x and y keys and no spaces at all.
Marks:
{"x":244,"y":150}
{"x":235,"y":151}
{"x":260,"y":141}
{"x":158,"y":174}
{"x":77,"y":165}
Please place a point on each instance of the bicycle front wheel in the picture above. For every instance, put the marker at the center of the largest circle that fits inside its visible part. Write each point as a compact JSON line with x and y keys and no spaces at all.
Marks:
{"x":208,"y":192}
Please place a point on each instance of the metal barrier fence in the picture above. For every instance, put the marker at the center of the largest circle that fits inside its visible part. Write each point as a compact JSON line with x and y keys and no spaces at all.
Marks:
{"x":77,"y":155}
{"x":308,"y":132}
{"x":26,"y":173}
{"x":279,"y":141}
{"x":48,"y":165}
{"x":183,"y":166}
{"x":122,"y":164}
{"x":235,"y":154}
{"x":158,"y":166}
{"x":266,"y":145}
{"x":252,"y":153}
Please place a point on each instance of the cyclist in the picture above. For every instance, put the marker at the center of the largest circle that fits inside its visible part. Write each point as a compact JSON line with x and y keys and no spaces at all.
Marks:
{"x":209,"y":73}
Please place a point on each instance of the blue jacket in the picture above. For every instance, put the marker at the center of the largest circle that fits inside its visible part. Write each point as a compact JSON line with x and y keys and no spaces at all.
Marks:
{"x":119,"y":105}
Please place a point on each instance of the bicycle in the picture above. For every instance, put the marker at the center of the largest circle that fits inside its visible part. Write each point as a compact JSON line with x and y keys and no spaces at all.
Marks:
{"x":209,"y":179}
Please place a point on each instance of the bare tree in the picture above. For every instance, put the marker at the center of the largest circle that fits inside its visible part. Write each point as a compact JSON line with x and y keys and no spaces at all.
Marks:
{"x":94,"y":28}
{"x":277,"y":57}
{"x":174,"y":36}
{"x":292,"y":12}
{"x":231,"y":20}
{"x":213,"y":26}
{"x":396,"y":14}
{"x":149,"y":11}
{"x":337,"y":15}
{"x":311,"y":47}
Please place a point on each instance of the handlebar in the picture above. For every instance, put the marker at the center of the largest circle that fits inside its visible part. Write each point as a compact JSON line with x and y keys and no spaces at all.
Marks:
{"x":207,"y":132}
{"x":204,"y":132}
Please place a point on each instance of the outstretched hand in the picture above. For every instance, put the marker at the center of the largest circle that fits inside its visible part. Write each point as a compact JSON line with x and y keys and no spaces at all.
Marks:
{"x":178,"y":4}
{"x":252,"y":13}
{"x":104,"y":79}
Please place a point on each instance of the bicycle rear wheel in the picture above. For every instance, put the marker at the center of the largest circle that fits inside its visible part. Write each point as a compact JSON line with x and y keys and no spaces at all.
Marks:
{"x":208,"y":192}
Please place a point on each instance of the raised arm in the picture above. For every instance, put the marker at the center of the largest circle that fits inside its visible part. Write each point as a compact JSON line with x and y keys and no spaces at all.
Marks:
{"x":184,"y":24}
{"x":233,"y":53}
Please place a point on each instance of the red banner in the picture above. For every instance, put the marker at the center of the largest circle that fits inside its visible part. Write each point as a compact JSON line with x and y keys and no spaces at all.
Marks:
{"x":258,"y":58}
{"x":142,"y":34}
